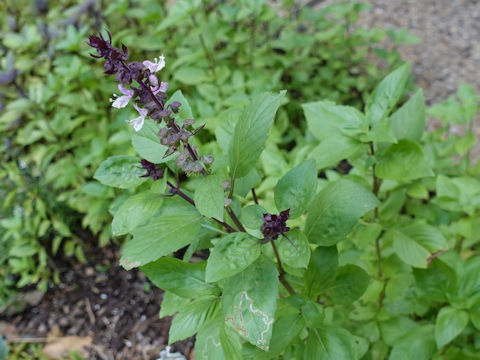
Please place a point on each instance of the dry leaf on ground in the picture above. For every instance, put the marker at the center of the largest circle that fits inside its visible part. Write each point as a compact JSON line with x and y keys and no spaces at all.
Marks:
{"x":61,"y":347}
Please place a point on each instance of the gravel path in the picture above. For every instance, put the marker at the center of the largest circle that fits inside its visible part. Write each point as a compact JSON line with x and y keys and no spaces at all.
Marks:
{"x":449,"y":51}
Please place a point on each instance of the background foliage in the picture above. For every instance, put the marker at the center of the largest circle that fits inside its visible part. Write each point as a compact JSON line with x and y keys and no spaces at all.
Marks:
{"x":385,"y":262}
{"x":56,"y":126}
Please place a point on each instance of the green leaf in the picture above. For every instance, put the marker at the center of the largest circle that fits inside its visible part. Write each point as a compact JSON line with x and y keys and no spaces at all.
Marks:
{"x":394,"y":328}
{"x":286,"y":329}
{"x":146,"y":142}
{"x":177,"y":12}
{"x":469,"y":287}
{"x":457,"y":194}
{"x":464,"y":144}
{"x":172,"y":303}
{"x":225,"y":129}
{"x":408,"y":122}
{"x":251,"y":132}
{"x":207,"y":344}
{"x":185,"y":111}
{"x":230,"y":255}
{"x":380,"y":132}
{"x":174,"y":228}
{"x":244,"y":184}
{"x":470,"y":101}
{"x":296,"y":189}
{"x":386,"y":95}
{"x":23,"y":250}
{"x":314,"y":314}
{"x":331,"y":151}
{"x":415,"y":243}
{"x":249,"y":302}
{"x":418,"y":344}
{"x":191,"y":75}
{"x":192,"y":318}
{"x":321,"y":270}
{"x":335,"y":211}
{"x":436,"y":283}
{"x":134,"y":211}
{"x":216,"y":341}
{"x":120,"y":171}
{"x":350,"y":283}
{"x":181,"y":278}
{"x":209,"y":197}
{"x":252,"y":216}
{"x":231,"y":343}
{"x":409,"y":250}
{"x":327,"y":121}
{"x":450,"y":323}
{"x":403,"y":161}
{"x":474,"y":315}
{"x":330,"y":343}
{"x":296,"y":255}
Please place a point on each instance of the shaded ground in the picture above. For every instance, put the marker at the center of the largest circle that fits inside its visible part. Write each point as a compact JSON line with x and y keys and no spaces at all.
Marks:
{"x":116,"y":308}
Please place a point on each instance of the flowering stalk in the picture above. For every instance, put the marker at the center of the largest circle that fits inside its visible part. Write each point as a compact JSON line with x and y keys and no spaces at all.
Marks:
{"x":151,"y":94}
{"x":148,"y":99}
{"x":274,"y":226}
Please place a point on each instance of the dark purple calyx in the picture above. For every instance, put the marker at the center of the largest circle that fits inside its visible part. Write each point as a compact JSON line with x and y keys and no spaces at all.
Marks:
{"x":275,"y":225}
{"x":153,"y":171}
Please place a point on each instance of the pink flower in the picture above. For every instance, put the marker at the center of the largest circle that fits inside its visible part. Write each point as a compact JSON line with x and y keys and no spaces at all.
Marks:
{"x":122,"y":101}
{"x":137,"y":123}
{"x":158,"y":65}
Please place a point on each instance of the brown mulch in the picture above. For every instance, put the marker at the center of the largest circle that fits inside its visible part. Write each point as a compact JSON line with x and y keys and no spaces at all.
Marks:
{"x":118,"y":309}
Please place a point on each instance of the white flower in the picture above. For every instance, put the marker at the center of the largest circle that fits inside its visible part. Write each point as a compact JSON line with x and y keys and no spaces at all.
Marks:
{"x":153,"y":80}
{"x":158,"y":65}
{"x":163,"y":87}
{"x":137,"y":123}
{"x":122,"y":101}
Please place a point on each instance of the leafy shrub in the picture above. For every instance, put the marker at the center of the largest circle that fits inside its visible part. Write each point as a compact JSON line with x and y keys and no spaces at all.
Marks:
{"x":56,"y":131}
{"x":228,"y":51}
{"x":354,"y":244}
{"x":48,"y":154}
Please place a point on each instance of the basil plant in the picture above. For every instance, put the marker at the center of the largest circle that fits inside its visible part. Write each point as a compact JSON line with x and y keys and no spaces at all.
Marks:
{"x":335,"y":247}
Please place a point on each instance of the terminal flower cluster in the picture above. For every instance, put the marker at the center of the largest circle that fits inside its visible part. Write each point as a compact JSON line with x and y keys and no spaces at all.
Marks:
{"x":138,"y":83}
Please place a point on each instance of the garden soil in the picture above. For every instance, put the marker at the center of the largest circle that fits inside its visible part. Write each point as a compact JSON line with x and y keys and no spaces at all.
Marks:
{"x":117,"y":309}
